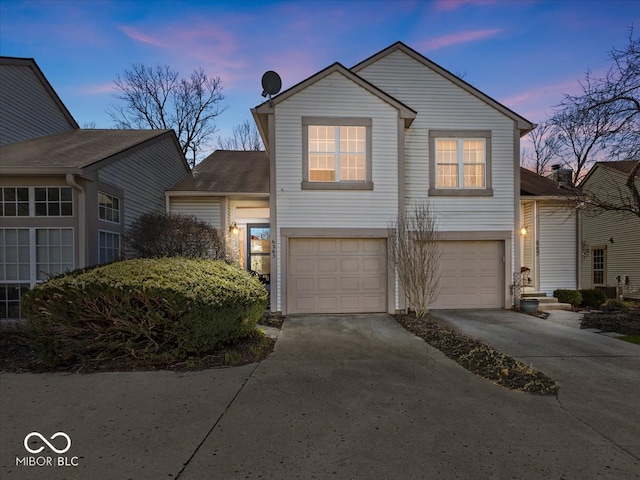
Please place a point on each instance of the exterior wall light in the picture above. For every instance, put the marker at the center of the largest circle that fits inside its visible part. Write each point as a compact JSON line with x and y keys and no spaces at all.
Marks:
{"x":523,"y":231}
{"x":233,"y":228}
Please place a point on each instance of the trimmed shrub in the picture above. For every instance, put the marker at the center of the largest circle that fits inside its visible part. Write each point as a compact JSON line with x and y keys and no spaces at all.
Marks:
{"x":156,"y":235}
{"x":614,"y":305}
{"x":593,"y":298}
{"x":156,"y":309}
{"x":568,"y":296}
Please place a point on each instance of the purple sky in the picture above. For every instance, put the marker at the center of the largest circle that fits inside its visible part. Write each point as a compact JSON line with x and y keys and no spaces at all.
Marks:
{"x":524,"y":53}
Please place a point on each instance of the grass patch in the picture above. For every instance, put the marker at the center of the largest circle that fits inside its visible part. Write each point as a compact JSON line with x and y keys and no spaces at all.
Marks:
{"x":631,"y":339}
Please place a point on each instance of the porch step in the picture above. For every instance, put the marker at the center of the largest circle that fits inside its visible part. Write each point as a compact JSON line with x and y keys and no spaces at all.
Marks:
{"x":547,"y":303}
{"x":533,"y":295}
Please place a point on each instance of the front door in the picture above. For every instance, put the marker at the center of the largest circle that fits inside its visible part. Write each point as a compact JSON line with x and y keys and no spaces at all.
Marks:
{"x":259,"y":251}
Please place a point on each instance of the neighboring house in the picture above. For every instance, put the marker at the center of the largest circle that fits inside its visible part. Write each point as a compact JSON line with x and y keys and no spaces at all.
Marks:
{"x":67,"y":195}
{"x":350,"y":148}
{"x":549,"y":233}
{"x":230,"y":190}
{"x":610,"y":246}
{"x":29,"y":107}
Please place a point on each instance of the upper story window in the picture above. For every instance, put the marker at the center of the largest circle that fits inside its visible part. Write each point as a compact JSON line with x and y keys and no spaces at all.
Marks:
{"x":109,"y":207}
{"x":460,"y":163}
{"x":14,"y":202}
{"x":53,"y":201}
{"x":337,"y":153}
{"x":36,"y":202}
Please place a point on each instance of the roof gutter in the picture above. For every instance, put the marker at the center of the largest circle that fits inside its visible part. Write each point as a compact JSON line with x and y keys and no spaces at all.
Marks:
{"x":82,"y":219}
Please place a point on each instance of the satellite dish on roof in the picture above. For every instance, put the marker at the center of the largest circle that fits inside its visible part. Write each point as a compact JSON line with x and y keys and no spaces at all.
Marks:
{"x":271,"y":84}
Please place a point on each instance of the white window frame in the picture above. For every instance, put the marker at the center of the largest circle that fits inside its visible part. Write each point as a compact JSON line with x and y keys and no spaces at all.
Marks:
{"x":106,"y":209}
{"x":460,"y":136}
{"x":47,"y":202}
{"x":337,"y":184}
{"x":116,"y":253}
{"x":33,"y":277}
{"x":603,"y":270}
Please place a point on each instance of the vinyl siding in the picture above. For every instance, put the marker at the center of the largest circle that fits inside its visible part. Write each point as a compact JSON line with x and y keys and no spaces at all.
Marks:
{"x":557,"y":247}
{"x":623,"y":254}
{"x":26,"y":107}
{"x":441,"y":105}
{"x":144,"y":175}
{"x":335,"y":96}
{"x":205,"y":209}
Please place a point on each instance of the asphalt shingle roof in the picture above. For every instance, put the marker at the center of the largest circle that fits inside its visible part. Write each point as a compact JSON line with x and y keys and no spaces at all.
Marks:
{"x":73,"y":148}
{"x":228,"y":171}
{"x":533,"y":184}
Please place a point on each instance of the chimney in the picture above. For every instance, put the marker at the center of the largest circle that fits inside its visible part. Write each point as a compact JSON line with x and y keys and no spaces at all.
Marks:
{"x":564,"y":176}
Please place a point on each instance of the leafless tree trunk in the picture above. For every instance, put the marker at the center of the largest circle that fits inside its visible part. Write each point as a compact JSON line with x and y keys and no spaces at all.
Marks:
{"x":245,"y":137}
{"x":415,"y":255}
{"x":603,"y":121}
{"x":157,"y":98}
{"x":545,"y":142}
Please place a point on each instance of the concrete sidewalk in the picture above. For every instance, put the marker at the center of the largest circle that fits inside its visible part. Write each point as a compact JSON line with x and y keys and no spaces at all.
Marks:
{"x":341,"y":397}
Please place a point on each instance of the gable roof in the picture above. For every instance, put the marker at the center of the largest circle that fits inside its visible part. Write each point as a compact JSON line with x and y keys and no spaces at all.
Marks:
{"x":31,"y":63}
{"x":532,"y":184}
{"x":524,"y":125}
{"x":622,"y":166}
{"x":261,"y":111}
{"x":227,"y":172}
{"x":72,"y":150}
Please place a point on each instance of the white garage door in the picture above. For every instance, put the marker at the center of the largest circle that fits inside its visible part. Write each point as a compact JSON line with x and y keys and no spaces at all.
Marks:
{"x":337,"y":275}
{"x":472,"y":275}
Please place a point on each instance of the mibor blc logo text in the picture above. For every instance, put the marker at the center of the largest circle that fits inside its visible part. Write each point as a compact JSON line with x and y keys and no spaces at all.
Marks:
{"x":59,"y":444}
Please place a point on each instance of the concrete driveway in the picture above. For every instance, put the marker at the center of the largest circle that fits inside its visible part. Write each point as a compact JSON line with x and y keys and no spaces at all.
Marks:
{"x":341,"y":397}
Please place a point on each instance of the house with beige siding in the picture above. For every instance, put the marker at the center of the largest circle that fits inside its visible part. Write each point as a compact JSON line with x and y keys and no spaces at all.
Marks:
{"x":68,"y":195}
{"x":230,"y":190}
{"x":610,"y":245}
{"x":350,"y":148}
{"x":549,"y":235}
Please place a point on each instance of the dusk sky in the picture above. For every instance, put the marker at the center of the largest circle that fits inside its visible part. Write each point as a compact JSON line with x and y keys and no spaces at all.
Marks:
{"x":524,"y":53}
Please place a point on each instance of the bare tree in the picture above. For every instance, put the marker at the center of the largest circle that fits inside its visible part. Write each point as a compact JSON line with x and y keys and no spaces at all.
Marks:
{"x":415,"y":255}
{"x":603,"y":121}
{"x":546,"y":146}
{"x":245,"y":137}
{"x":157,"y":98}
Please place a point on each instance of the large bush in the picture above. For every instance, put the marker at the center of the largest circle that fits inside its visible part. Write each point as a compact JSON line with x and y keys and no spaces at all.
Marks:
{"x":157,"y":309}
{"x":574,"y":297}
{"x":155,"y":235}
{"x":593,"y":298}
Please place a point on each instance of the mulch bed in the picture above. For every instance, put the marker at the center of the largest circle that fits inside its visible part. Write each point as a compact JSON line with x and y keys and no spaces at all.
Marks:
{"x":18,"y":357}
{"x":625,"y":323}
{"x":479,"y":358}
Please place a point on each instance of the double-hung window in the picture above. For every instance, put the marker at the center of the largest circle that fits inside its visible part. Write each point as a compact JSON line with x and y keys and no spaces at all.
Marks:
{"x":460,"y":162}
{"x":108,"y":207}
{"x":337,"y":153}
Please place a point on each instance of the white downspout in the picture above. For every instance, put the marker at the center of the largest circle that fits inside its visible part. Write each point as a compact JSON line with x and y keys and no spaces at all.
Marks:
{"x":82,"y":220}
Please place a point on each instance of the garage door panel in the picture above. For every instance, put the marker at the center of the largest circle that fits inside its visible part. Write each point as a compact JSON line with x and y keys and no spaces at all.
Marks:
{"x":349,"y":265}
{"x":326,"y":265}
{"x":472,"y":275}
{"x":337,"y":275}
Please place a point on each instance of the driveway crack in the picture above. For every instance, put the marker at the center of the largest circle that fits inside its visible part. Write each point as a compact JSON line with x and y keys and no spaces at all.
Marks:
{"x":590,"y":427}
{"x":215,"y":424}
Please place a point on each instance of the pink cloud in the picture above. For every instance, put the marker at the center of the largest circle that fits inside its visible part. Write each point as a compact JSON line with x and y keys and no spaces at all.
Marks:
{"x":449,"y":5}
{"x":141,"y":37}
{"x":98,"y":89}
{"x":458,"y":38}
